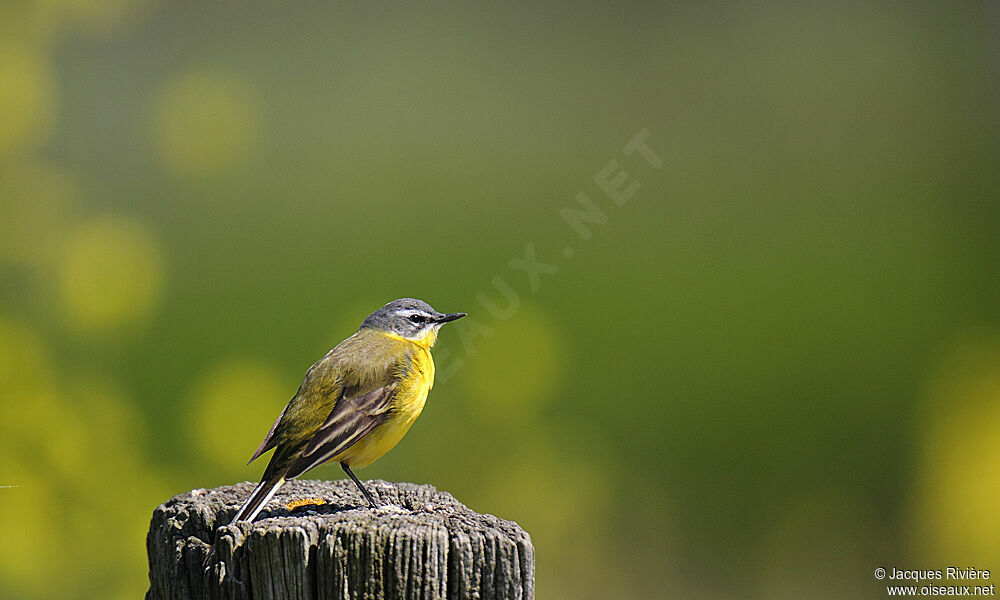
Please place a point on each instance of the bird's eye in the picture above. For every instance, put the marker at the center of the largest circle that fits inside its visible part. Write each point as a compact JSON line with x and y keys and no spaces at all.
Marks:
{"x":417,"y":319}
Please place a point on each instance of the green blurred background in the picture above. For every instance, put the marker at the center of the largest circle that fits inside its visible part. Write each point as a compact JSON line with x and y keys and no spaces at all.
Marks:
{"x":774,"y":369}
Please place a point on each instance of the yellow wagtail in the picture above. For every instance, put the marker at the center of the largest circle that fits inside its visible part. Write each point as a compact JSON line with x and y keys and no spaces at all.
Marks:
{"x":356,"y":402}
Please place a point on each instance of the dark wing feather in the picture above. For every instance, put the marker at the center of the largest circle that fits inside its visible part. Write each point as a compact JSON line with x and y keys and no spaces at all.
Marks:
{"x":351,"y":420}
{"x":269,"y":441}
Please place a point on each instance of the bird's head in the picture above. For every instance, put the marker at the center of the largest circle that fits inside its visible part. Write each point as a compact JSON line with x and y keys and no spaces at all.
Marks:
{"x":410,"y":319}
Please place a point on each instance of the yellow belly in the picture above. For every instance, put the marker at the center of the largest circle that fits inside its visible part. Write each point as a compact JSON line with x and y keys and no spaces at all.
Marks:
{"x":409,"y":402}
{"x":371,"y":447}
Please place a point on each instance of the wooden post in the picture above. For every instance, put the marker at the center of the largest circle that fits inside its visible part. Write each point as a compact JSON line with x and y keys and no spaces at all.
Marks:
{"x":421,"y":544}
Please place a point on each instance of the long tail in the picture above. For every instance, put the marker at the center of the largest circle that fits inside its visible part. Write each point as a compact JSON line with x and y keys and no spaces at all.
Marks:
{"x":253,"y":505}
{"x":258,"y":499}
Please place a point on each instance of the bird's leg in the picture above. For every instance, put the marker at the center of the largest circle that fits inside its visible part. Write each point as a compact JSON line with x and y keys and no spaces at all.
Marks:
{"x":347,"y":470}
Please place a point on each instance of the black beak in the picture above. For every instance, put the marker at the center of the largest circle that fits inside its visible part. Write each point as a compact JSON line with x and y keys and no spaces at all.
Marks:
{"x":449,"y":317}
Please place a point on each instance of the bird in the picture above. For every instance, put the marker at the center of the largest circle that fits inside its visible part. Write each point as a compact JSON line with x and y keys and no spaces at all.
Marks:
{"x":356,"y":402}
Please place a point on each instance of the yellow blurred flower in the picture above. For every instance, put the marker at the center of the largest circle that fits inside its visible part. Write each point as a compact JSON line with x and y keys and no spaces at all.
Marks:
{"x":205,"y":121}
{"x":232,"y":407}
{"x":110,"y":275}
{"x":116,"y":475}
{"x":954,"y":514}
{"x":75,"y":451}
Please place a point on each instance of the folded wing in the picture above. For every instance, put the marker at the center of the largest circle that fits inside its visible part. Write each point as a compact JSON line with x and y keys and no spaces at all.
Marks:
{"x":350,"y":421}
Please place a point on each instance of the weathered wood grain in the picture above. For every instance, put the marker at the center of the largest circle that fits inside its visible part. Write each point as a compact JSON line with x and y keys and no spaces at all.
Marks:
{"x":421,"y":544}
